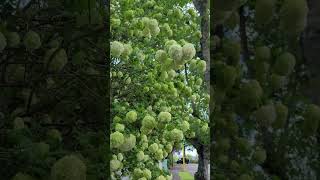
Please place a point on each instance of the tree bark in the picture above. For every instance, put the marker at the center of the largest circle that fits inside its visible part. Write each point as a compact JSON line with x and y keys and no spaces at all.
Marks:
{"x":203,"y":152}
{"x":243,"y":34}
{"x":311,"y":49}
{"x":202,"y":6}
{"x":310,"y":52}
{"x":203,"y":163}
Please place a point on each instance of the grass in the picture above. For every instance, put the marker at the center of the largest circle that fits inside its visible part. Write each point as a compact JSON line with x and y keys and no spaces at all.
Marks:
{"x":185,"y":176}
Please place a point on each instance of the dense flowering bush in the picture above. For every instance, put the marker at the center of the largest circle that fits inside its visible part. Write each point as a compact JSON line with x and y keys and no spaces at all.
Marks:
{"x":156,"y":76}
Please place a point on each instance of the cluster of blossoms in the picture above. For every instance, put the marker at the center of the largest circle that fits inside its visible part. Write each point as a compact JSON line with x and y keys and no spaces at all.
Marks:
{"x":118,"y":49}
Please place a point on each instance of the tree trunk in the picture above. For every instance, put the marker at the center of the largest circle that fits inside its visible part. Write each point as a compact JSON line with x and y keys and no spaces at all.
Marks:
{"x":243,"y":35}
{"x":203,"y":162}
{"x":202,"y":6}
{"x":203,"y":152}
{"x":311,"y":49}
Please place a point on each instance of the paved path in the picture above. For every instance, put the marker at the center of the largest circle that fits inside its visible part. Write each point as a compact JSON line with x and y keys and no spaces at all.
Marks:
{"x":192,"y":168}
{"x":175,"y":172}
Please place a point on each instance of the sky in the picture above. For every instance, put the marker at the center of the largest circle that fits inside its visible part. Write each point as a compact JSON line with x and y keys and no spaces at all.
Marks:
{"x":192,"y":152}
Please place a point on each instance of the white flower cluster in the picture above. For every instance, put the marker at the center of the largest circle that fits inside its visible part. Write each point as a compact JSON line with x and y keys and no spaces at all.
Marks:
{"x":151,"y":27}
{"x":118,"y":49}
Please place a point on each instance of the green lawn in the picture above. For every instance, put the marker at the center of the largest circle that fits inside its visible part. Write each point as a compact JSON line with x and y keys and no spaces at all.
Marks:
{"x":185,"y":176}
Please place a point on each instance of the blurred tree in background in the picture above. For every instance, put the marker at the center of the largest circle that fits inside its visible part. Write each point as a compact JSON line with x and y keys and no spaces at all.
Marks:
{"x":264,"y":125}
{"x":53,"y":85}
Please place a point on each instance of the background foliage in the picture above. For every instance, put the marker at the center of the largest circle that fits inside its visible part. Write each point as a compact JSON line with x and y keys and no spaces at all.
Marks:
{"x":53,"y":89}
{"x":264,"y":126}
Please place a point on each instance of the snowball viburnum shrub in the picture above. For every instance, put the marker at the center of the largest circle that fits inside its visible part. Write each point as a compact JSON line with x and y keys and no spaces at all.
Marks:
{"x":151,"y":54}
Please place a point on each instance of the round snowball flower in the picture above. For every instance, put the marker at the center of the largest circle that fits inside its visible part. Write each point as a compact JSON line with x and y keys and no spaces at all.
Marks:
{"x":119,"y":127}
{"x":153,"y":147}
{"x":120,"y":156}
{"x":188,"y":51}
{"x":116,"y":49}
{"x":175,"y":52}
{"x":153,"y":26}
{"x":202,"y":66}
{"x":127,"y":50}
{"x":169,"y":43}
{"x":116,"y":139}
{"x":129,"y":143}
{"x":176,"y":135}
{"x":164,"y":117}
{"x":161,"y":56}
{"x":115,"y":164}
{"x":131,"y":116}
{"x":185,"y":126}
{"x":148,"y":122}
{"x":147,"y":173}
{"x":140,"y":156}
